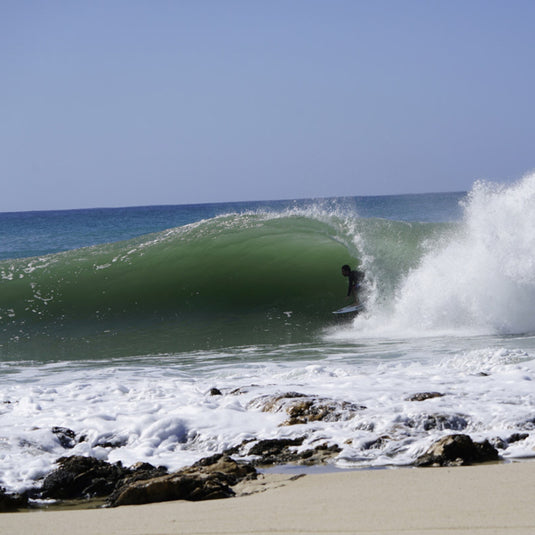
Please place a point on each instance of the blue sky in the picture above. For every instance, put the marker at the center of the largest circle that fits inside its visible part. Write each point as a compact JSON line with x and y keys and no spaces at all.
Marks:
{"x":120,"y":103}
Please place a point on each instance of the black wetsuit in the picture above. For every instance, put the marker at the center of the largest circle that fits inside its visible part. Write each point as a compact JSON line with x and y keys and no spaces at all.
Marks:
{"x":355,"y":278}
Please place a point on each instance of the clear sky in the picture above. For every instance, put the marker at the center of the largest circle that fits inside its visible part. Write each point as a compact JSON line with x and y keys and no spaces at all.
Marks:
{"x":129,"y":102}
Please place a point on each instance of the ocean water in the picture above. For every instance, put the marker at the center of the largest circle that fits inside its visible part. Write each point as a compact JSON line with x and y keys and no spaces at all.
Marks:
{"x":117,"y":323}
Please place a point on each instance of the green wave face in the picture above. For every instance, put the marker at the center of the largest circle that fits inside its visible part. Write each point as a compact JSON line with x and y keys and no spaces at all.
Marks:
{"x":231,"y":280}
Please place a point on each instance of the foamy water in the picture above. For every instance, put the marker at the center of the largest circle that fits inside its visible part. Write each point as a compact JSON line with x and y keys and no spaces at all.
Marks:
{"x":477,"y":278}
{"x":163,"y":412}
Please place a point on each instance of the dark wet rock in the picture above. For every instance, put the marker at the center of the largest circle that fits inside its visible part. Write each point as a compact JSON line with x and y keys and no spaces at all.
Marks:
{"x":455,"y":450}
{"x":207,"y":479}
{"x":86,"y":477}
{"x":422,"y":396}
{"x":283,"y":451}
{"x":302,"y":408}
{"x":276,"y":451}
{"x":177,"y":486}
{"x":517,"y":437}
{"x":80,"y":477}
{"x":66,"y":436}
{"x":319,"y":455}
{"x":428,"y":422}
{"x":503,"y":444}
{"x":141,"y":472}
{"x":112,"y":442}
{"x":499,"y":443}
{"x":225,"y":467}
{"x":12,"y":502}
{"x":239,"y":448}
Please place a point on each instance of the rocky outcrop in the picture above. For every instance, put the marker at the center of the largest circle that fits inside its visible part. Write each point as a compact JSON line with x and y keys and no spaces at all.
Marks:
{"x":10,"y":503}
{"x":84,"y":477}
{"x":503,"y":444}
{"x":303,"y":409}
{"x":207,"y":479}
{"x":276,"y":450}
{"x":456,"y":450}
{"x":517,"y":437}
{"x":284,"y":451}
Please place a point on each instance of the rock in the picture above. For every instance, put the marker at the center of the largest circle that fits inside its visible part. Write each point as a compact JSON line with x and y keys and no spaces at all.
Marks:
{"x":236,"y":450}
{"x":303,"y":409}
{"x":454,"y":450}
{"x":87,"y":477}
{"x":80,"y":477}
{"x":225,"y":467}
{"x":279,"y":451}
{"x":422,"y":396}
{"x":499,"y":444}
{"x":319,"y":455}
{"x":276,"y":451}
{"x":503,"y":444}
{"x":12,"y":502}
{"x":207,"y":479}
{"x":65,"y":436}
{"x":516,"y":437}
{"x":112,"y":443}
{"x":177,"y":486}
{"x":84,"y":477}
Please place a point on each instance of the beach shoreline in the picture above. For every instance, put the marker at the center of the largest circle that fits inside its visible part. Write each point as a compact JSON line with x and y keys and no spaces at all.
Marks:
{"x":487,"y":498}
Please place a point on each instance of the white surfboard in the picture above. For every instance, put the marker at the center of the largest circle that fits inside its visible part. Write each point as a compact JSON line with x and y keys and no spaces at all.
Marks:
{"x":349,"y":308}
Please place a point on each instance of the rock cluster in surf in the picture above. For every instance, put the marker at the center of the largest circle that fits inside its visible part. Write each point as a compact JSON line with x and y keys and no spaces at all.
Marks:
{"x":78,"y":477}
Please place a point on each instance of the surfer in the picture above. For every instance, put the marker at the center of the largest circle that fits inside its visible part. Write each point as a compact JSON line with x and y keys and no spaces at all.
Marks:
{"x":355,"y":279}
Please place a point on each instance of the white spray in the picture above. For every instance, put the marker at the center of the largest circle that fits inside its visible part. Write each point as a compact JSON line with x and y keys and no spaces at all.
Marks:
{"x":480,"y":279}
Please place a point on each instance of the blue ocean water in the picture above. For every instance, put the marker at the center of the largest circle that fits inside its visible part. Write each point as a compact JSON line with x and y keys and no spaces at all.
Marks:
{"x":116,"y":323}
{"x":26,"y":234}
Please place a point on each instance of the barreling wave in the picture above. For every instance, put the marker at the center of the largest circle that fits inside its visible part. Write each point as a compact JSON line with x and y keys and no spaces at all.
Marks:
{"x":238,"y":279}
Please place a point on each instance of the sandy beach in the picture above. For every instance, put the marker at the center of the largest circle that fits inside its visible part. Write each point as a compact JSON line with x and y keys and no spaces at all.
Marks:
{"x":484,"y":499}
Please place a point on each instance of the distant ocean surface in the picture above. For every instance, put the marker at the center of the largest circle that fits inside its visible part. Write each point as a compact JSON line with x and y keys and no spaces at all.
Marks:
{"x":117,"y":323}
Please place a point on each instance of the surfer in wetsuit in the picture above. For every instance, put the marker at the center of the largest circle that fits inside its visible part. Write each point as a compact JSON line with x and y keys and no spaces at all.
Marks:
{"x":355,"y":279}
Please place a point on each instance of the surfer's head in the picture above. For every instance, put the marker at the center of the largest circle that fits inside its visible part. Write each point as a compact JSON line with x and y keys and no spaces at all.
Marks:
{"x":346,"y":270}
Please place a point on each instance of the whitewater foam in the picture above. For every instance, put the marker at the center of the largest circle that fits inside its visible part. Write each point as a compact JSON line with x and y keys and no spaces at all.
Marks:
{"x":477,"y":278}
{"x":161,"y":410}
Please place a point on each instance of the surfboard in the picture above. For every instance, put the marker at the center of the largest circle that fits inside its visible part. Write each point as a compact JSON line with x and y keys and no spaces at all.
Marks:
{"x":349,"y":308}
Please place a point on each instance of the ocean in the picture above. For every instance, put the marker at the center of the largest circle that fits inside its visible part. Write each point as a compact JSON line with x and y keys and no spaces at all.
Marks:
{"x":121,"y":324}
